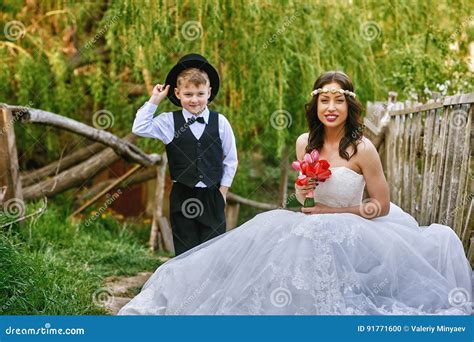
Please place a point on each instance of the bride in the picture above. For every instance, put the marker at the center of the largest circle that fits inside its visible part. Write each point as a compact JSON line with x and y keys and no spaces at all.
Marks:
{"x":343,"y":256}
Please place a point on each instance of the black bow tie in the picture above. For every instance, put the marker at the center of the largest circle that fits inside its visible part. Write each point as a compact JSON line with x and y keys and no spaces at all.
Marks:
{"x":194,"y":119}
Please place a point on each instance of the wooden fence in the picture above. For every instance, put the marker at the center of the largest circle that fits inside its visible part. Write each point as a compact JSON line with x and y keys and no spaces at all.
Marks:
{"x":427,"y":154}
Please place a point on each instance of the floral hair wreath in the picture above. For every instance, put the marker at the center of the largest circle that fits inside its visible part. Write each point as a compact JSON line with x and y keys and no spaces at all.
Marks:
{"x":333,"y":91}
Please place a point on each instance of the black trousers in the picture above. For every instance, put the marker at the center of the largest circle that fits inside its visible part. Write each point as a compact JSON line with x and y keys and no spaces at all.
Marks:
{"x":197,"y":215}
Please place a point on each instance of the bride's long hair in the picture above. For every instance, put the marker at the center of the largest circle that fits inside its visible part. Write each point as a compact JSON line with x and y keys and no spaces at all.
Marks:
{"x":353,"y":126}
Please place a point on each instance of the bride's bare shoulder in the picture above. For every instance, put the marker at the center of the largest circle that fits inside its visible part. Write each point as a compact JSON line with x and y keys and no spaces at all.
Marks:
{"x":302,"y":139}
{"x":364,"y":144}
{"x":366,"y":151}
{"x":301,"y":144}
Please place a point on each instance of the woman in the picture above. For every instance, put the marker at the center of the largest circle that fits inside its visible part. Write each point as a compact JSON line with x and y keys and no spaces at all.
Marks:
{"x":343,"y":256}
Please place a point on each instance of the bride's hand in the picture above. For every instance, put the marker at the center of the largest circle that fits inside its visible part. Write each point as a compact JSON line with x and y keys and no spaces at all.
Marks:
{"x":305,"y":189}
{"x":319,"y":208}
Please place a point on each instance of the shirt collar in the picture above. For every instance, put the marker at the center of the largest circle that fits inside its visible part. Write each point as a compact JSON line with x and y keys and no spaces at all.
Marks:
{"x":205,"y":114}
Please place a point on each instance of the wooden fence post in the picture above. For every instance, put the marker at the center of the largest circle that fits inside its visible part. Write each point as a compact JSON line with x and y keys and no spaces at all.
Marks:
{"x":9,"y":169}
{"x":232,"y":215}
{"x":284,"y":166}
{"x":161,"y":236}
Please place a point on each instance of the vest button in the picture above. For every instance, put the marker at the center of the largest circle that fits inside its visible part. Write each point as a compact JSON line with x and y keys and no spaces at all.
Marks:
{"x":199,"y":144}
{"x":201,"y":176}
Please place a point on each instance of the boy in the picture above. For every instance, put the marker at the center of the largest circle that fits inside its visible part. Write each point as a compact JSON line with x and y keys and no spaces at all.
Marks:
{"x":201,"y":150}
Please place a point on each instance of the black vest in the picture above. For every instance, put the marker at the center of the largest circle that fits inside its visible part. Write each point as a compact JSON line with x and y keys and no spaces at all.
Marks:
{"x":192,"y":160}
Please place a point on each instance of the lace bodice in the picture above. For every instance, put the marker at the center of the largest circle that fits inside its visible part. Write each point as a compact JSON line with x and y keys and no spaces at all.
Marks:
{"x":344,"y":188}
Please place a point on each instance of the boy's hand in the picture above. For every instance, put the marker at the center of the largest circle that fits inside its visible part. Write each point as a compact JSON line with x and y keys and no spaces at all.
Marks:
{"x":223,"y":190}
{"x":159,"y":93}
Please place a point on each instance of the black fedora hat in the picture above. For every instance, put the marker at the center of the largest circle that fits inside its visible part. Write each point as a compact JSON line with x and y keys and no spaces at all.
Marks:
{"x":193,"y":60}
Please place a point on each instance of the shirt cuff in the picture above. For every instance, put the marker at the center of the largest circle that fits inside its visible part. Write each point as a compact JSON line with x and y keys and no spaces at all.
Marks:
{"x":150,"y":107}
{"x":226,"y":181}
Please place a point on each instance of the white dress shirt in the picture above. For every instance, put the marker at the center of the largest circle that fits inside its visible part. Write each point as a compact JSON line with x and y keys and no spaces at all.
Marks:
{"x":162,"y":127}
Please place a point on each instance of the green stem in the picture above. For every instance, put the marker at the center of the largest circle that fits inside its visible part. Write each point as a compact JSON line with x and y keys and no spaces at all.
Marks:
{"x":308,"y":202}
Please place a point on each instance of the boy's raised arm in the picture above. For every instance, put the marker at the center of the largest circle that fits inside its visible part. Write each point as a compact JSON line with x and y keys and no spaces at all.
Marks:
{"x":145,"y":125}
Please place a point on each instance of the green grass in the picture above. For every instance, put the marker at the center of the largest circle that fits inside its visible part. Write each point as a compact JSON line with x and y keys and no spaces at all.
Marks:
{"x":51,"y":266}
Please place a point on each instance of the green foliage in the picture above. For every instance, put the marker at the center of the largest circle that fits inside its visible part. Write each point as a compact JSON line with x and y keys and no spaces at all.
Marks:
{"x":268,"y":53}
{"x":43,"y":283}
{"x":53,"y":267}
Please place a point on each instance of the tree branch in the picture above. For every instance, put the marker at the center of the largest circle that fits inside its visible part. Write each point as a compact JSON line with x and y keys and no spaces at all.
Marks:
{"x":125,"y":149}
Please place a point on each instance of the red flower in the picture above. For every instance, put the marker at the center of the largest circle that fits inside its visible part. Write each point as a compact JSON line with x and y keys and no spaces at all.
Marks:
{"x":311,"y":167}
{"x":302,"y":180}
{"x":322,"y":170}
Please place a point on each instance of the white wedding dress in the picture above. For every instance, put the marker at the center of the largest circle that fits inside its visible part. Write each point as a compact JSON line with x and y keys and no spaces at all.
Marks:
{"x":288,"y":263}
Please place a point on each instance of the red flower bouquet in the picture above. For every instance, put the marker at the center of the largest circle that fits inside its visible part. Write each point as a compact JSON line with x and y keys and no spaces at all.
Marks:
{"x":313,"y":170}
